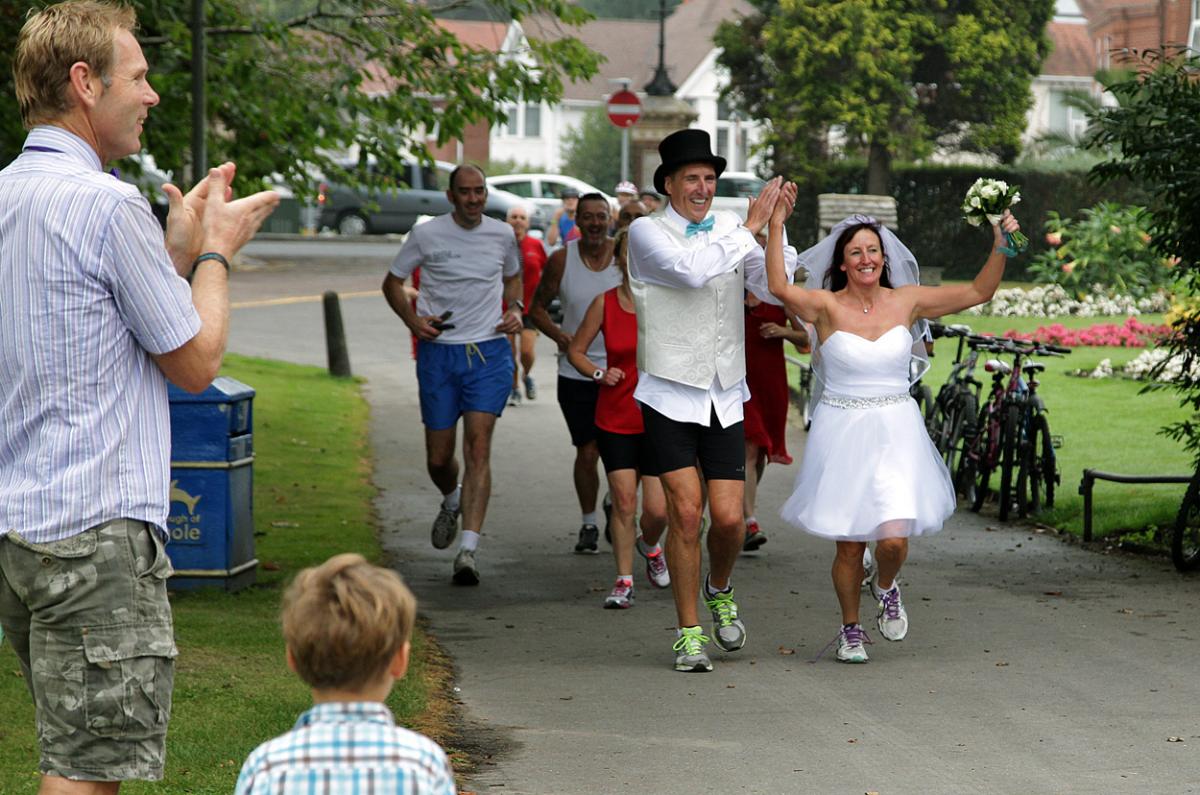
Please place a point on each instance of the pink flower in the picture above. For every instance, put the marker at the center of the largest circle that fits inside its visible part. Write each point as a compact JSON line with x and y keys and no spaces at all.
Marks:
{"x":1054,"y":238}
{"x":1116,"y":230}
{"x":1068,"y":267}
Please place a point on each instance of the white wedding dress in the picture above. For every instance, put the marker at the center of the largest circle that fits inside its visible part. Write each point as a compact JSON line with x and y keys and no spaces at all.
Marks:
{"x":869,"y":470}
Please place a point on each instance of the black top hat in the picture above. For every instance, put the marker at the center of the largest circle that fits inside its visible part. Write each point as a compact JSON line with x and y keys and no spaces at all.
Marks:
{"x":681,"y":148}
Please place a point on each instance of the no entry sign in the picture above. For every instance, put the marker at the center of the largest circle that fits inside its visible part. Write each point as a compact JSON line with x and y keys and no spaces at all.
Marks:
{"x":624,"y":109}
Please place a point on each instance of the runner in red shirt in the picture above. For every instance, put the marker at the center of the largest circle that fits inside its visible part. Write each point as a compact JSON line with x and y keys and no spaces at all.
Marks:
{"x":533,"y":258}
{"x":623,"y":449}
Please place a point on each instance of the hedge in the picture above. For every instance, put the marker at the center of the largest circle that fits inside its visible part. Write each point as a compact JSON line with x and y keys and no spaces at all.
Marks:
{"x":929,"y":197}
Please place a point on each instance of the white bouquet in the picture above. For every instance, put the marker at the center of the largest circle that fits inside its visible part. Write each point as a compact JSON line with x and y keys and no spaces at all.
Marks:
{"x":987,"y":200}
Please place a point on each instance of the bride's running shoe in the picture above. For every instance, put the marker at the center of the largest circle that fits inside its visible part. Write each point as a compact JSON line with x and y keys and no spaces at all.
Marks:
{"x":892,"y":618}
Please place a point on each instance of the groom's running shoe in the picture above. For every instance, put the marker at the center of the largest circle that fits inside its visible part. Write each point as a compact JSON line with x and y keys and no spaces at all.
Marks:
{"x":689,"y":651}
{"x":728,"y":630}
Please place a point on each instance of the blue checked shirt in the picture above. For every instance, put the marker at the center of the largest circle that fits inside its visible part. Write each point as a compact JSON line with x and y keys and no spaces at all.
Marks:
{"x":87,"y":294}
{"x":342,"y":748}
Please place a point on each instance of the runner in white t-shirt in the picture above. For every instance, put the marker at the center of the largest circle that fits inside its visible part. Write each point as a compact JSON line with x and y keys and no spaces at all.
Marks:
{"x":469,"y":264}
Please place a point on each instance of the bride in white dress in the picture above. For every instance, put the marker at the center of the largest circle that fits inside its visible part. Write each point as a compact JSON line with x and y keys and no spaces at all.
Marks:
{"x":870,"y":472}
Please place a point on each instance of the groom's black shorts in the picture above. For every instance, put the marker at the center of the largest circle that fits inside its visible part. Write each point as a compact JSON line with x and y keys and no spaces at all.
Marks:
{"x":720,"y":452}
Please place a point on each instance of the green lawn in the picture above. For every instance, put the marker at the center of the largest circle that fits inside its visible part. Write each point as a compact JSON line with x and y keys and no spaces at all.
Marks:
{"x":312,"y":499}
{"x":1105,"y":424}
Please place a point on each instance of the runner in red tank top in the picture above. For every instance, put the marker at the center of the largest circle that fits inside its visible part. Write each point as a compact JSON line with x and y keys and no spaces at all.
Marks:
{"x":623,"y":449}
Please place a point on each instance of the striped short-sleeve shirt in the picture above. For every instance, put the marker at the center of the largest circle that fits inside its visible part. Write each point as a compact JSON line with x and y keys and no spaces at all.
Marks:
{"x":347,"y":748}
{"x":87,"y":294}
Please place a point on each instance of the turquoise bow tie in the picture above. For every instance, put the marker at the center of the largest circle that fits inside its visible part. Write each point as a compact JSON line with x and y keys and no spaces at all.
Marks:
{"x":704,"y":226}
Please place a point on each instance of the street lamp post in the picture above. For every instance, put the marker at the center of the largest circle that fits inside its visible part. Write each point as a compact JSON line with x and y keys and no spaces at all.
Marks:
{"x":199,"y":151}
{"x":661,"y":85}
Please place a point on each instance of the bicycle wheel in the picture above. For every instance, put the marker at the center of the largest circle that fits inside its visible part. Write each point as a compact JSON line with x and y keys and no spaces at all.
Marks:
{"x":805,"y":396}
{"x":938,"y":421}
{"x":962,"y":419}
{"x":924,"y":397}
{"x":1010,"y":447}
{"x":1039,"y":467}
{"x":988,"y":443}
{"x":1185,"y":543}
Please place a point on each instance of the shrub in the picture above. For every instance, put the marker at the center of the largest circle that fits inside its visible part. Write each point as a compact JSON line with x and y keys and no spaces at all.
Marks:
{"x":1108,"y":246}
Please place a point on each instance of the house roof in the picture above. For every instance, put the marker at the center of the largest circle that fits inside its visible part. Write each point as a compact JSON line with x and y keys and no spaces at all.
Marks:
{"x":631,"y":45}
{"x":1073,"y":54}
{"x":479,"y":34}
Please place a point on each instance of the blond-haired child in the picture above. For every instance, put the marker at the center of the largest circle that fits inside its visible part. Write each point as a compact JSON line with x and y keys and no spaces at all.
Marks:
{"x":347,"y":625}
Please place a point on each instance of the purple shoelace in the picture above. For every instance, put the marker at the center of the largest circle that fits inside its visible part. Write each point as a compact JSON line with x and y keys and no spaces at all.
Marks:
{"x":854,"y":634}
{"x":891,"y":603}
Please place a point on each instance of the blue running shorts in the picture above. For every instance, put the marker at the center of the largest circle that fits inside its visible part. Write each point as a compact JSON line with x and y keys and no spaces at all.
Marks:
{"x":465,"y":377}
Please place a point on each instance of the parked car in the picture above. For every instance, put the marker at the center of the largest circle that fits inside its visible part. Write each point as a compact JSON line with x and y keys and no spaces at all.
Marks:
{"x":545,"y":190}
{"x":419,"y":191}
{"x":733,"y":188}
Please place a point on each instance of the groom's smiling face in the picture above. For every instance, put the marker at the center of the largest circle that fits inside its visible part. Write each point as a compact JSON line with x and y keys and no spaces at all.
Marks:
{"x":691,"y":189}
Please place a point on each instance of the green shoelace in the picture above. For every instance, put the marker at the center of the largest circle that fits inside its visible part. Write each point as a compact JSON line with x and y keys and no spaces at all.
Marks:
{"x":723,"y":605}
{"x":691,"y":641}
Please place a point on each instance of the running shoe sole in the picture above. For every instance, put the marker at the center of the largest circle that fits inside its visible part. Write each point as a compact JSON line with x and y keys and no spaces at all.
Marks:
{"x":694,"y":664}
{"x":445,"y":528}
{"x":753,"y":542}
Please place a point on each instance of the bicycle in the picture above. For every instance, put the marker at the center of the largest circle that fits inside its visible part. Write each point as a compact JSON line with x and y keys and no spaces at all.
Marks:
{"x":1185,"y":540}
{"x":1012,"y":434}
{"x":1033,"y":445}
{"x":952,"y":415}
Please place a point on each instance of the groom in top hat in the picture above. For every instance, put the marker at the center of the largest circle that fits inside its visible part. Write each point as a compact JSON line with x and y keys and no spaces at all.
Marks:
{"x":688,"y":269}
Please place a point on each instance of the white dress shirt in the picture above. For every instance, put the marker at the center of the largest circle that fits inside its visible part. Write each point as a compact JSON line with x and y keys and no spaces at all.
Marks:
{"x":656,"y":258}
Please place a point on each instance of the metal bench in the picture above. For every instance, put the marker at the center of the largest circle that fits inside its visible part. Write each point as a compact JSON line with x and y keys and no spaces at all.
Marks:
{"x":1090,"y":476}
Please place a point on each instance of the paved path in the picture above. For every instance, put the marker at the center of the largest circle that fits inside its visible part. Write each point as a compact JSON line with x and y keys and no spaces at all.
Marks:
{"x":1032,"y":666}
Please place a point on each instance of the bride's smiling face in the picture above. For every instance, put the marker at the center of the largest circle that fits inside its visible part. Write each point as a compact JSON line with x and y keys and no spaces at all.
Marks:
{"x":862,"y":259}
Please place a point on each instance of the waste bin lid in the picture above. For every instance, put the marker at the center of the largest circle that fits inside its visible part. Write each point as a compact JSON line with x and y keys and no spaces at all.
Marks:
{"x":222,"y":390}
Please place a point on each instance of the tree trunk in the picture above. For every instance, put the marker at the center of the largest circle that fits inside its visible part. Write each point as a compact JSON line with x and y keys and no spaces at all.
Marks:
{"x":879,"y":170}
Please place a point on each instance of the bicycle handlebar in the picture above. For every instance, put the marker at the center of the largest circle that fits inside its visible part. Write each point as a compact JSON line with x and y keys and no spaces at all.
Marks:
{"x":1023,"y":347}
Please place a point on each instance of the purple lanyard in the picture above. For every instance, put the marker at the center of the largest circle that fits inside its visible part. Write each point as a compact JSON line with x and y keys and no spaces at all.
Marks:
{"x":35,"y":148}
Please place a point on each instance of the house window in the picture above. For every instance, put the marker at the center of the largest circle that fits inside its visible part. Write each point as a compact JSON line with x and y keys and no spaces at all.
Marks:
{"x":1064,"y":118}
{"x":509,"y":126}
{"x":724,"y":111}
{"x":533,"y":121}
{"x":723,"y":142}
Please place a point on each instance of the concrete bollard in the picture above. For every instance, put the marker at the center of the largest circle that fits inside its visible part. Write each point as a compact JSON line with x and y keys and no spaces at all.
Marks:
{"x":335,"y":336}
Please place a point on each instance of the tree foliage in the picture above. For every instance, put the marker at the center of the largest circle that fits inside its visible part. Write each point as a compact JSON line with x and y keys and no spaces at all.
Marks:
{"x":592,"y":151}
{"x":289,"y":90}
{"x":897,"y":77}
{"x":1155,"y":136}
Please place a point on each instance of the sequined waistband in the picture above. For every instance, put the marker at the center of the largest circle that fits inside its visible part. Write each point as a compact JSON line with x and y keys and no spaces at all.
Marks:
{"x":848,"y":402}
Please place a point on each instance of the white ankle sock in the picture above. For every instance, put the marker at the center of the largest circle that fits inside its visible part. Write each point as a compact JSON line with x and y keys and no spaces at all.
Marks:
{"x":589,"y":518}
{"x":452,"y":500}
{"x":470,"y":540}
{"x":647,"y":550}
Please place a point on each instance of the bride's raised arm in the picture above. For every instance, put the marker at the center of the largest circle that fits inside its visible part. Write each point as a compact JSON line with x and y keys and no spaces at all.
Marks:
{"x":805,"y":304}
{"x":937,"y":301}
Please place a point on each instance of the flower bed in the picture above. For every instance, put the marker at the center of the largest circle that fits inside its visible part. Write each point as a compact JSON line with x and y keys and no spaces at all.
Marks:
{"x":1054,"y":301}
{"x":1131,"y":334}
{"x":1139,"y":369}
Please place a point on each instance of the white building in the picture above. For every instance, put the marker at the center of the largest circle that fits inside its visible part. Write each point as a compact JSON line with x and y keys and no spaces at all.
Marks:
{"x":534,"y":134}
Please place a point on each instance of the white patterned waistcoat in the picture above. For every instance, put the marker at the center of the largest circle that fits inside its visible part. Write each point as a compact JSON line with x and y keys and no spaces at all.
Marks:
{"x":692,"y":334}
